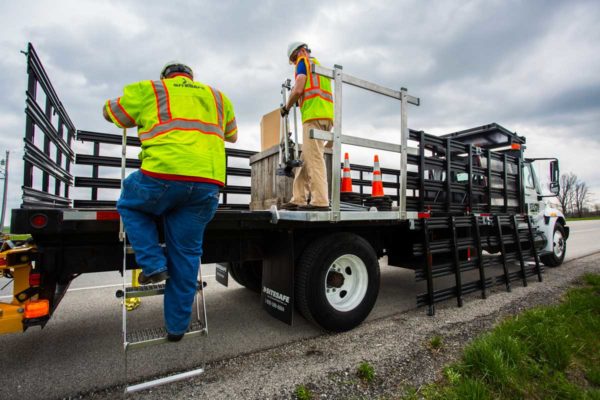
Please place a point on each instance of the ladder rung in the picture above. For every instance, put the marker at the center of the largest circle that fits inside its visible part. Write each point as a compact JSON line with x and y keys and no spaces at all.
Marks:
{"x":145,"y":290}
{"x":152,"y":336}
{"x":163,"y":381}
{"x":148,"y":290}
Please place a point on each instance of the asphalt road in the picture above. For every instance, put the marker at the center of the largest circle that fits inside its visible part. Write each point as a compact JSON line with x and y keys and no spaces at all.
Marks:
{"x":80,"y":349}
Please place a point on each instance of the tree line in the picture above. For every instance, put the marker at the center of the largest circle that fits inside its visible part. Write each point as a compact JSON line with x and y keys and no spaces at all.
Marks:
{"x":575,"y":198}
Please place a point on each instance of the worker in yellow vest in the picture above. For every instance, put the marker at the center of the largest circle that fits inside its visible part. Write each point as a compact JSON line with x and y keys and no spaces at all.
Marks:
{"x":182,"y":126}
{"x":316,"y":106}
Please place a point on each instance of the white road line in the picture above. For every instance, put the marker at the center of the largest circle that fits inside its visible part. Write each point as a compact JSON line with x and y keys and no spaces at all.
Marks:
{"x":586,"y":230}
{"x":94,"y":287}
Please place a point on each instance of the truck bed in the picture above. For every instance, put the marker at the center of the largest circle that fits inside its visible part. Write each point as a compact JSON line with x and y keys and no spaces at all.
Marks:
{"x":88,"y":239}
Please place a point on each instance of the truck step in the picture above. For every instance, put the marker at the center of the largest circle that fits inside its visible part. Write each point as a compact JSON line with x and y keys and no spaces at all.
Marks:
{"x":148,"y":290}
{"x":153,"y":336}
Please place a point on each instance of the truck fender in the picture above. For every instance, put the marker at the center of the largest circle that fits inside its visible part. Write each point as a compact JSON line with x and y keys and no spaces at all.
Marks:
{"x":552,"y":216}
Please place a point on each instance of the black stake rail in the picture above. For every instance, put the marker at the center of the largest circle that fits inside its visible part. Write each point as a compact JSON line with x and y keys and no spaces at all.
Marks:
{"x":534,"y":250}
{"x":429,"y":269}
{"x":519,"y":249}
{"x":475,"y":222}
{"x":60,"y":134}
{"x":457,"y":269}
{"x":502,"y":251}
{"x":452,"y":178}
{"x":445,"y":250}
{"x":449,"y":196}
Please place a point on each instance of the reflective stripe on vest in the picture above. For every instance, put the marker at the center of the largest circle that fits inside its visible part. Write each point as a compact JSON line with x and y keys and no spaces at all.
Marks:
{"x":120,"y":114}
{"x":219,"y":104}
{"x":308,"y":94}
{"x":317,"y":100}
{"x":315,"y":80}
{"x":230,"y":127}
{"x":183,"y":125}
{"x":162,"y":101}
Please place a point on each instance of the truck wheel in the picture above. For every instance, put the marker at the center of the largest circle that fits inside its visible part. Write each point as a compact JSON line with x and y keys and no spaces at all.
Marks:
{"x":248,"y":274}
{"x":559,"y":248}
{"x":337,"y":281}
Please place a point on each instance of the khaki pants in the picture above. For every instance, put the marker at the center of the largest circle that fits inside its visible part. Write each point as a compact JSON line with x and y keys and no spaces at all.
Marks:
{"x":310,"y":178}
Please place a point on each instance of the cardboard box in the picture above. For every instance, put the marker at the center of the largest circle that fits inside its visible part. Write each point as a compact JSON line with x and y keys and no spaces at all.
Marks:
{"x":269,"y":129}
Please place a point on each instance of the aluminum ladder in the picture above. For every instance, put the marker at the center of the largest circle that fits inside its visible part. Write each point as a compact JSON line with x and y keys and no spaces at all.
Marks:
{"x":154,"y":336}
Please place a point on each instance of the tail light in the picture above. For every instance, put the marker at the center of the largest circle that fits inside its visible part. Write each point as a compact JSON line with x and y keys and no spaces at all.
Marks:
{"x":38,"y":221}
{"x":37,"y":308}
{"x":35,"y":278}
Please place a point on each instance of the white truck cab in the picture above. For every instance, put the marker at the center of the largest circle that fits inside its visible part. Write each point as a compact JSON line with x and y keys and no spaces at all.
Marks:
{"x":541,"y":182}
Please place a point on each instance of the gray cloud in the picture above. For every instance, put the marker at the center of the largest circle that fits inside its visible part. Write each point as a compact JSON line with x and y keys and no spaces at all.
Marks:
{"x":531,"y":66}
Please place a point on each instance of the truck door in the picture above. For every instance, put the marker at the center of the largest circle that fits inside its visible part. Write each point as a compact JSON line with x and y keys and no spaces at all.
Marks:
{"x":532,"y":202}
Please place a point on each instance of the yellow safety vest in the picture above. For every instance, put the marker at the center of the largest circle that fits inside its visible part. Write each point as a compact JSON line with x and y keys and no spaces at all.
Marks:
{"x":181,"y":124}
{"x":316,"y":101}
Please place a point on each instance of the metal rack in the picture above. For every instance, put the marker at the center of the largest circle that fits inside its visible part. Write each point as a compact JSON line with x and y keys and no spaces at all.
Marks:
{"x":110,"y":141}
{"x":59,"y":134}
{"x":453,"y":246}
{"x":339,"y":78}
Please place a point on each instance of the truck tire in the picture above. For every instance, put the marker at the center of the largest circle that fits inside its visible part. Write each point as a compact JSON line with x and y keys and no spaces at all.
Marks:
{"x":559,"y":248}
{"x":248,"y":274}
{"x":337,"y":281}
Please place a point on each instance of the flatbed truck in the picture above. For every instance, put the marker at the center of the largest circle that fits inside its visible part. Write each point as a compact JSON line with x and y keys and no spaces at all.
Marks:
{"x":465,"y":201}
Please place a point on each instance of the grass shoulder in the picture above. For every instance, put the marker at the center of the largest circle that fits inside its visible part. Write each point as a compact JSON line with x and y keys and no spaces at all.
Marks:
{"x":573,"y":219}
{"x":546,"y":352}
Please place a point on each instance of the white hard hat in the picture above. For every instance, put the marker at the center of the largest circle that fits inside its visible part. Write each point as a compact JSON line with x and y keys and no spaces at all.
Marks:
{"x":175,"y":66}
{"x":293,"y":46}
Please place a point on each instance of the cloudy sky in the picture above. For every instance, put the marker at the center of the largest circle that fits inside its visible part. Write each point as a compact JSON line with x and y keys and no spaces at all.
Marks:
{"x":531,"y":66}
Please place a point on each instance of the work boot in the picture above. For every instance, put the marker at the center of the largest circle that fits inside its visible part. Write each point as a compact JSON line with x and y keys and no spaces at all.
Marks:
{"x":146,"y":280}
{"x":289,"y":206}
{"x":310,"y":207}
{"x":174,"y":338}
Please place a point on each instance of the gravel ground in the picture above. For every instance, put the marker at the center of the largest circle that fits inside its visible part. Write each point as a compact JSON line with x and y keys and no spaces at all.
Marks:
{"x":397,"y":347}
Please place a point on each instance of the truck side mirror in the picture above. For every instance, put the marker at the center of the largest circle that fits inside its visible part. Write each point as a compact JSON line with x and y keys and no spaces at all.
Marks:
{"x":554,"y":177}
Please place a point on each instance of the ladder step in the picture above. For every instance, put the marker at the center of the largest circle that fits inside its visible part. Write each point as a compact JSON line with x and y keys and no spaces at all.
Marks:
{"x":153,"y":336}
{"x":148,"y":290}
{"x":145,"y":290}
{"x":163,"y":381}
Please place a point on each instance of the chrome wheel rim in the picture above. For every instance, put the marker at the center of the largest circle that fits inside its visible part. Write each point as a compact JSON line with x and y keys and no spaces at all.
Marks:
{"x":559,"y":244}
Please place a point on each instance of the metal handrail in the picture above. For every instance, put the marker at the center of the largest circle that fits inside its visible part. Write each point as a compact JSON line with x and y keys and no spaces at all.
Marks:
{"x":338,"y":139}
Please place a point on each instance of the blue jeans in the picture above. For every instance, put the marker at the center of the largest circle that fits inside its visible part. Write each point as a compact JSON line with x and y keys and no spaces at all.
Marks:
{"x":186,"y":208}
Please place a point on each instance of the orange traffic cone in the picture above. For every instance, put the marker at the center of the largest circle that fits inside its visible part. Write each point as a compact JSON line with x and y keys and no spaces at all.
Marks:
{"x":377,"y":186}
{"x":346,"y":178}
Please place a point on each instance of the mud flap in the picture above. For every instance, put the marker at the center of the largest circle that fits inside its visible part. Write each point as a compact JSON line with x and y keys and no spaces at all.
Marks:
{"x":277,"y":294}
